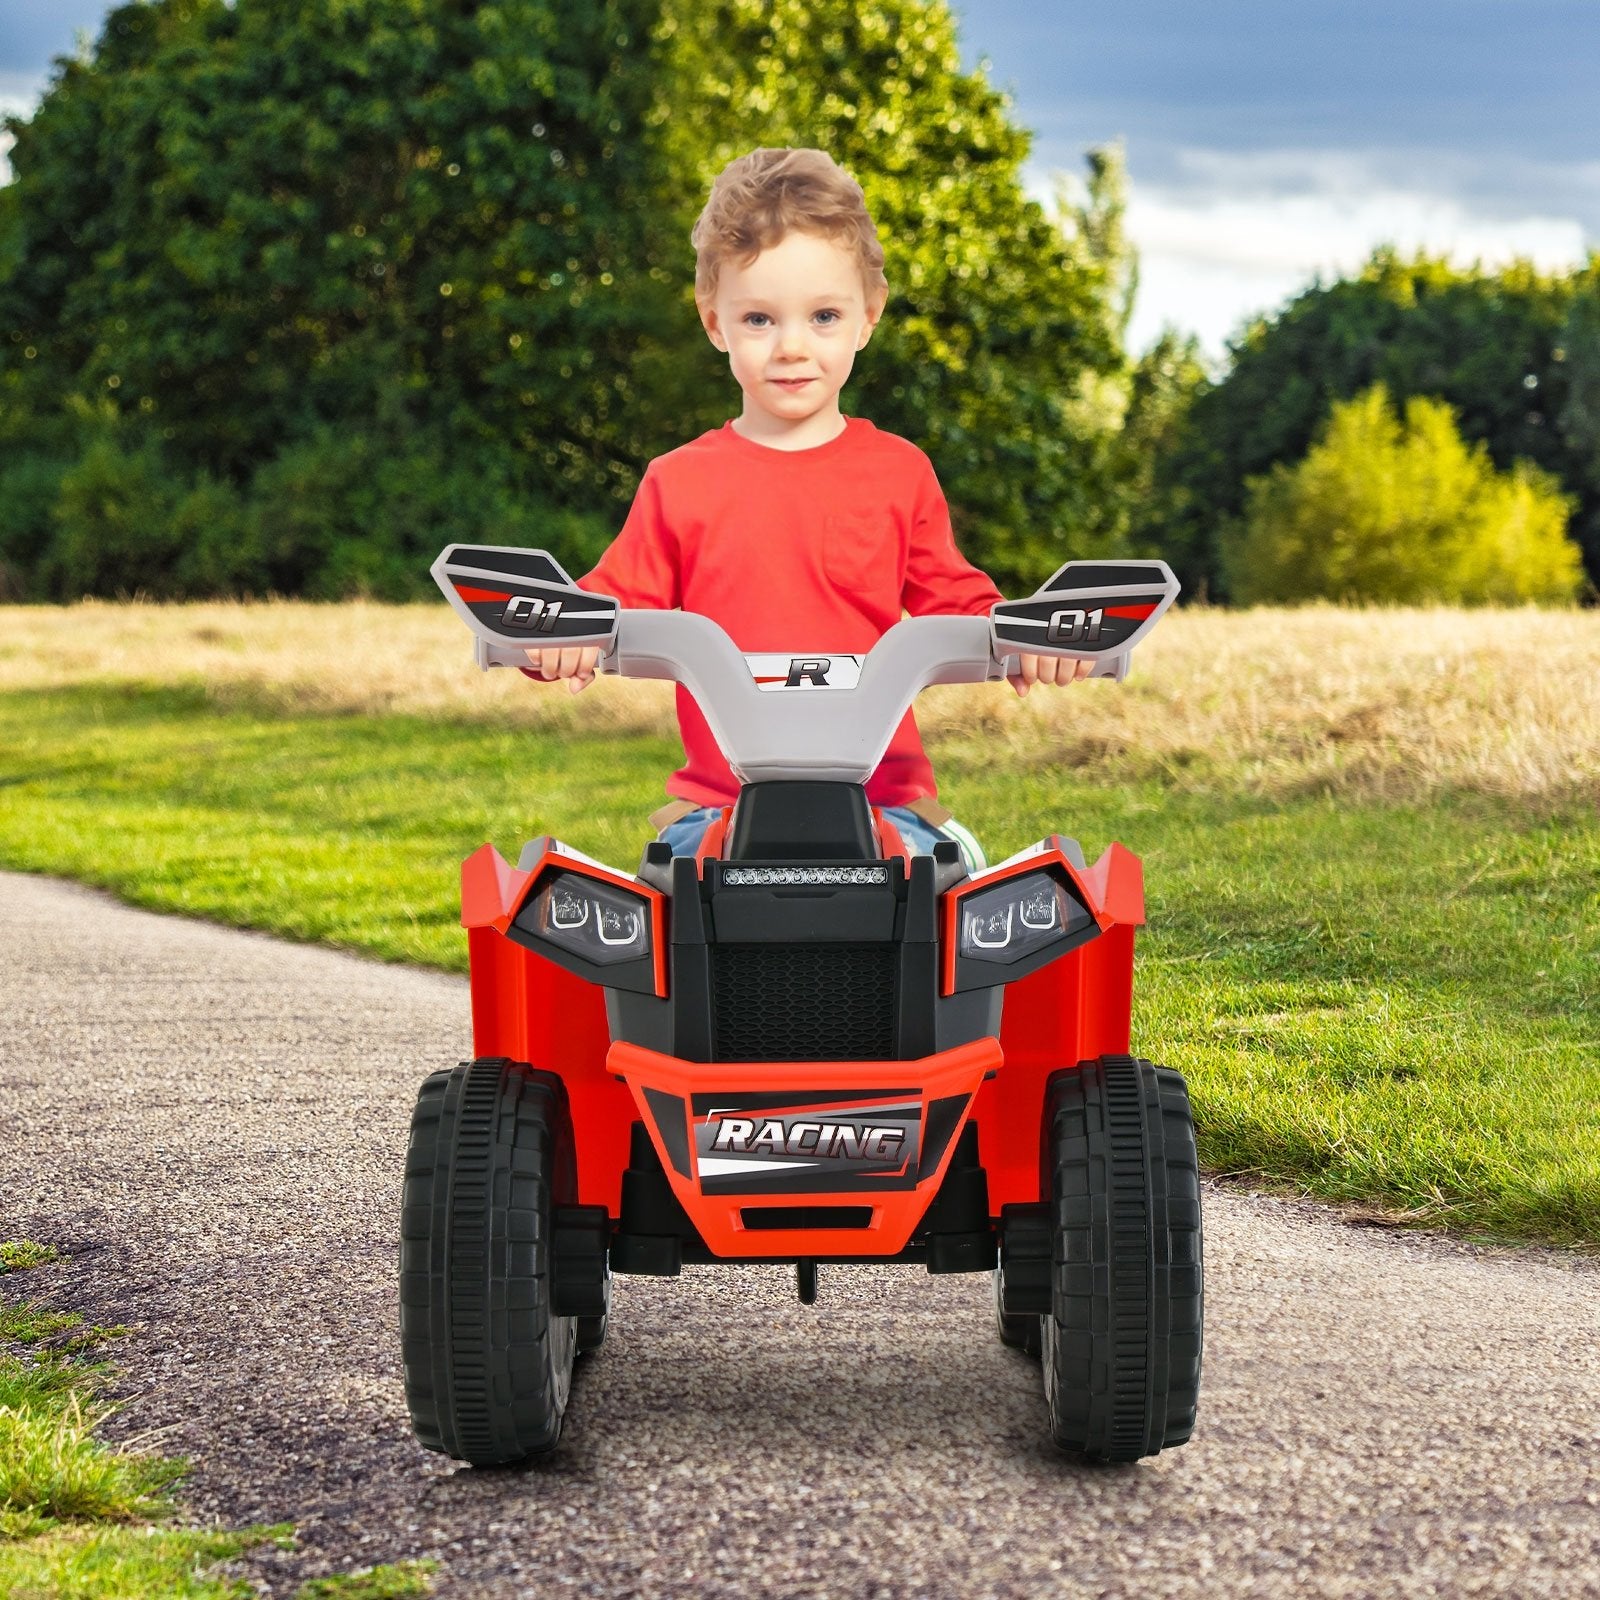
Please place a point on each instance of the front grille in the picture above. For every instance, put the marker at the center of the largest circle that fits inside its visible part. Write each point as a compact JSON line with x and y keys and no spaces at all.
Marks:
{"x":806,"y":1002}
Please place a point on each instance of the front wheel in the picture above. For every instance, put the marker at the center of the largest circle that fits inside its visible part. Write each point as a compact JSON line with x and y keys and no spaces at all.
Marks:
{"x":1122,"y":1340}
{"x":488,"y":1365}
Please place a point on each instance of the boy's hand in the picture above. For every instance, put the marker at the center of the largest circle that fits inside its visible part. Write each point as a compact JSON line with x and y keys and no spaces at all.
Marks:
{"x":1048,"y":669}
{"x":574,"y":663}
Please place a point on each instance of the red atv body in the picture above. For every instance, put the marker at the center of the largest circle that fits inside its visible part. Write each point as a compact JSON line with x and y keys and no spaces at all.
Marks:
{"x":792,"y":1047}
{"x":527,"y":1008}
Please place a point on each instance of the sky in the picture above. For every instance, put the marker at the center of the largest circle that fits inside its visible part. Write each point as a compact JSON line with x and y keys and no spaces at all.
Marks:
{"x":1267,"y":141}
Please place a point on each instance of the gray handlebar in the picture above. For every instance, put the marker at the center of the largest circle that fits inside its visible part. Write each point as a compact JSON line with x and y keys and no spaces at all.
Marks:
{"x":515,"y":600}
{"x":823,"y":734}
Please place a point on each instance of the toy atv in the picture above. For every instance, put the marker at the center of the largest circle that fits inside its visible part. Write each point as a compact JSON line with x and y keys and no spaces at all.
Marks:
{"x":792,"y":1047}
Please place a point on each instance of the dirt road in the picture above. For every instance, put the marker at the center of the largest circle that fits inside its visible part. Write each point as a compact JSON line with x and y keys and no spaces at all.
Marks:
{"x":212,"y":1123}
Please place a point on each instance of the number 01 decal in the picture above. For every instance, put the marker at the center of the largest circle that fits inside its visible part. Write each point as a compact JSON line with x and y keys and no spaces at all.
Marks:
{"x":1073,"y":626}
{"x":530,"y":614}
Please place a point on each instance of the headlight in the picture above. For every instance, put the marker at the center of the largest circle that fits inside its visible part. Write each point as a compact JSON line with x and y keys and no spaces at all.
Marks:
{"x":1019,"y":918}
{"x":600,"y":930}
{"x":1018,"y":921}
{"x":589,"y":918}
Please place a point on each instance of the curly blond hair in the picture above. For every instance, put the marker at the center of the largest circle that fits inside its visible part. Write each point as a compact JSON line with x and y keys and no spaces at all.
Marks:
{"x":760,"y":197}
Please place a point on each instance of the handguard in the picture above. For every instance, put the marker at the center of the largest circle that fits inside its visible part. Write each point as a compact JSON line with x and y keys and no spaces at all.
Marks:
{"x":1090,"y":610}
{"x":518,"y":600}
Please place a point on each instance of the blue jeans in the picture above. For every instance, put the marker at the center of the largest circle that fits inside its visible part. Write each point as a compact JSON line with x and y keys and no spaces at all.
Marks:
{"x":685,"y":834}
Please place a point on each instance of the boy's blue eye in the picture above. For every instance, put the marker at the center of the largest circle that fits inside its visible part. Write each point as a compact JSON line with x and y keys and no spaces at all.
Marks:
{"x":756,"y":318}
{"x":830,"y":316}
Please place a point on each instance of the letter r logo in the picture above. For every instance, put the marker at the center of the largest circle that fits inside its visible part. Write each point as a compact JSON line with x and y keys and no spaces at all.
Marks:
{"x":815,"y":671}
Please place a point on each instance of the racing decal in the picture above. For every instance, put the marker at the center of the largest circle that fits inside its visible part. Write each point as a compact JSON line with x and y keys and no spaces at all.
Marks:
{"x":522,"y":596}
{"x":1088,"y":608}
{"x":539,"y":613}
{"x":818,"y":670}
{"x":1074,"y":621}
{"x":813,"y":1144}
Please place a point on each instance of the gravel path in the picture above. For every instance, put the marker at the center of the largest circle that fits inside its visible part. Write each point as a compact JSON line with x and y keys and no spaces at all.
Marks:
{"x":212,"y":1123}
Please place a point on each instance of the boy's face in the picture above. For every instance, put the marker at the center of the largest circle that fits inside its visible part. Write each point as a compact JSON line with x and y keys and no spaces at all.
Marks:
{"x":791,"y":322}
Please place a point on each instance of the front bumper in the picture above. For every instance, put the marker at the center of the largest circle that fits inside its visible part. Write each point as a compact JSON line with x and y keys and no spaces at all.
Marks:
{"x":806,"y":1158}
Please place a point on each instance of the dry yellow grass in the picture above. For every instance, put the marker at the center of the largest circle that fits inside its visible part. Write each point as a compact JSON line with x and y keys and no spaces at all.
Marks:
{"x":1393,"y":704}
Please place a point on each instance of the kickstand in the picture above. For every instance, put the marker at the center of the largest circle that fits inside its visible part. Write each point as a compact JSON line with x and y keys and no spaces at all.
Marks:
{"x":805,"y":1282}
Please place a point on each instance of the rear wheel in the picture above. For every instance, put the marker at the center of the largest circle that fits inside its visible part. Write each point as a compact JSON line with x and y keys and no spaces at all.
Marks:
{"x":1122,"y":1341}
{"x":487,"y":1364}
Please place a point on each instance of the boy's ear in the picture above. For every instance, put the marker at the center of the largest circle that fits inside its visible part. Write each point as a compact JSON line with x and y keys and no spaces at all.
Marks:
{"x":875,"y":305}
{"x":708,"y":320}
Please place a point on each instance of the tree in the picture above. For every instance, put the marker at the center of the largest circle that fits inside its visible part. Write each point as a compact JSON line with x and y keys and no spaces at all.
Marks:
{"x":1484,"y":343}
{"x":1163,"y":386}
{"x":246,"y":227}
{"x":1403,"y":510}
{"x":1578,"y":351}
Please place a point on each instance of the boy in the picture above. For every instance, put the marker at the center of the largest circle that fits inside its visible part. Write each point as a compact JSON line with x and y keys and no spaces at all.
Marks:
{"x":792,"y":526}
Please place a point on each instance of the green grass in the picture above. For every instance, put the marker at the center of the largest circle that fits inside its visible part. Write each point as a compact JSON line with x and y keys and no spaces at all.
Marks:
{"x":26,"y":1323}
{"x":53,"y":1468}
{"x":402,"y":1581}
{"x":1392,"y":1005}
{"x":17,"y":1255}
{"x":145,"y":1563}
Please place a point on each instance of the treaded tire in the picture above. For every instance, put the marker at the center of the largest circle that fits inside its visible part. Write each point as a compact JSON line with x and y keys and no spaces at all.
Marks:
{"x":487,"y":1367}
{"x":1122,"y":1344}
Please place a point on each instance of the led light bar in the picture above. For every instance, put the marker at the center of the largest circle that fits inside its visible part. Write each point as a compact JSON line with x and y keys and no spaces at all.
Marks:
{"x":739,"y":877}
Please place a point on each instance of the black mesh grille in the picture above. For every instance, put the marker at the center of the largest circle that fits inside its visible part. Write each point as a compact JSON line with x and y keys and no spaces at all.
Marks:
{"x":808,"y":1002}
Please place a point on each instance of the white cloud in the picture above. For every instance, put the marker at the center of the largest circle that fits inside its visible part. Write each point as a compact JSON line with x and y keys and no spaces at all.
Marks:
{"x":12,"y":105}
{"x":1228,"y":236}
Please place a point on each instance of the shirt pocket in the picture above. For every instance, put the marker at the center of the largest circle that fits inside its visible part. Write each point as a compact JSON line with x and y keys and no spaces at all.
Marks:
{"x":861,"y":554}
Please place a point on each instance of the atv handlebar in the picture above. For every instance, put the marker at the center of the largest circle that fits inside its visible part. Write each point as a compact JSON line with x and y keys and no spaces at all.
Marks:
{"x":518,"y":600}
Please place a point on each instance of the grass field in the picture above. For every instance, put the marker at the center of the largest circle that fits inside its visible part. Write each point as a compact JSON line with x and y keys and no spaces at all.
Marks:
{"x":1371,"y":843}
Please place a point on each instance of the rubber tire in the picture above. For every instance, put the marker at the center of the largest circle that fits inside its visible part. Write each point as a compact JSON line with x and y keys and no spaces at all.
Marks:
{"x":488,"y":1368}
{"x":1024,"y":1333}
{"x":1122,"y":1345}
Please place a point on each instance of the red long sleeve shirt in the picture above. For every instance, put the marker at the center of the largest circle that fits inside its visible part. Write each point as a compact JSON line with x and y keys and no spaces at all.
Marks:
{"x":793,"y":551}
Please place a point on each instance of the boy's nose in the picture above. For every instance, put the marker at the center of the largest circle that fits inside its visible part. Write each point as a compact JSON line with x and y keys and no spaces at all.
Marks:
{"x":791,"y":342}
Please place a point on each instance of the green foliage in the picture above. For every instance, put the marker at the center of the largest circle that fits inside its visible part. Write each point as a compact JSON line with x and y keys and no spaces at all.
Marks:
{"x":1163,"y":385}
{"x":240,"y":234}
{"x":1489,"y":344}
{"x":53,"y":1468}
{"x":995,"y":338}
{"x":1579,"y":419}
{"x":1382,"y":509}
{"x":315,"y":508}
{"x":26,"y":1323}
{"x":30,"y":485}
